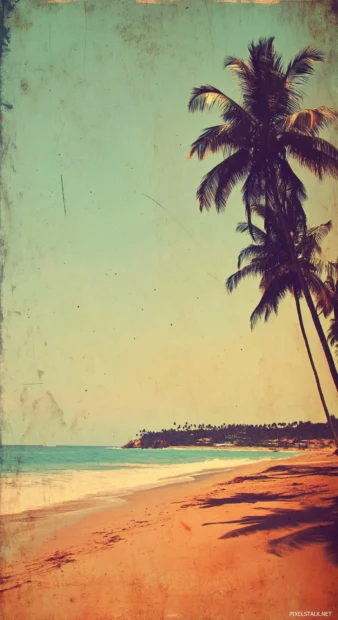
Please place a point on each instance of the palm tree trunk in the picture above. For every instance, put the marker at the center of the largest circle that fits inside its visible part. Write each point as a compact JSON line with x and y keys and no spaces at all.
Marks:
{"x":318,"y":326}
{"x":319,"y":388}
{"x":303,"y":283}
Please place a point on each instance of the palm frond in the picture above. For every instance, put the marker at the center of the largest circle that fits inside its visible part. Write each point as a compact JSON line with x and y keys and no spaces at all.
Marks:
{"x":314,"y":265}
{"x":217,"y":184}
{"x":293,"y":194}
{"x":259,"y":210}
{"x":271,"y":298}
{"x":329,"y":282}
{"x":242,"y":71}
{"x":261,"y":54}
{"x":207,"y":96}
{"x":251,"y":252}
{"x":218,"y":138}
{"x":254,"y":231}
{"x":328,"y":300}
{"x":238,"y":66}
{"x":331,"y":270}
{"x":316,"y":154}
{"x":311,"y":121}
{"x":321,"y":294}
{"x":310,"y":248}
{"x":318,"y":233}
{"x":293,"y":186}
{"x":252,"y":270}
{"x":254,"y":188}
{"x":302,"y":65}
{"x":266,"y":96}
{"x":323,"y":307}
{"x":332,"y":335}
{"x":273,"y":238}
{"x":318,"y":290}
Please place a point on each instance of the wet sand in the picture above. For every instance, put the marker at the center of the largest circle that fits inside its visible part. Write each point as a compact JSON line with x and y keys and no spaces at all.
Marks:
{"x":255,"y":543}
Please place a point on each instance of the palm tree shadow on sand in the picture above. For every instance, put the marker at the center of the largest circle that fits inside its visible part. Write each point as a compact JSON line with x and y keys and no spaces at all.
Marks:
{"x":312,"y":524}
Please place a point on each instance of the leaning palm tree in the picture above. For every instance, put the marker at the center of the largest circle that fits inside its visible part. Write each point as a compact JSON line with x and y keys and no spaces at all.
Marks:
{"x":259,"y":135}
{"x":269,"y":259}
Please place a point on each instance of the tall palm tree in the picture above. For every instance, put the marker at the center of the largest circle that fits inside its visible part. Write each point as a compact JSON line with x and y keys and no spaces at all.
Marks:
{"x":259,"y":135}
{"x":269,"y":258}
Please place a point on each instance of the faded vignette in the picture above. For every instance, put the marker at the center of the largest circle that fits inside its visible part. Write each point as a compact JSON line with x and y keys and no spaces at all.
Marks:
{"x":17,"y":17}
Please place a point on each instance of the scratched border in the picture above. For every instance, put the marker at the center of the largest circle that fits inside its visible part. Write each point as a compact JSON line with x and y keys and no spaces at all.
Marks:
{"x":218,"y":1}
{"x":6,"y":8}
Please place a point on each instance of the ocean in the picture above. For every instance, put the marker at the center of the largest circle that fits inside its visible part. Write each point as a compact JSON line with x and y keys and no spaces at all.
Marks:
{"x":36,"y":477}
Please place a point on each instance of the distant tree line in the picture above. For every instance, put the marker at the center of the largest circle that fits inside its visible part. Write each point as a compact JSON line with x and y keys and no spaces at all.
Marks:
{"x":281,"y":434}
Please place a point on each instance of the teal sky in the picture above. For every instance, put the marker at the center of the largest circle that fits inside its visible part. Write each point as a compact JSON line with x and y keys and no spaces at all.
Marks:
{"x":115,"y":315}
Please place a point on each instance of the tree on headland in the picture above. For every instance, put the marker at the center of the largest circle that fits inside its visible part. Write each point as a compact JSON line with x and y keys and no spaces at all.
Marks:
{"x":268,"y":258}
{"x":257,"y":138}
{"x":273,"y":436}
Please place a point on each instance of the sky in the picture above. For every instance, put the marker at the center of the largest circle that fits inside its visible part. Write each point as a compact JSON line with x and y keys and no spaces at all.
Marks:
{"x":115,"y":312}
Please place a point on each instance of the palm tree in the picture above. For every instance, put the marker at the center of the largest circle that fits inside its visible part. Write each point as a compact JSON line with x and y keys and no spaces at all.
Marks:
{"x":268,"y":257}
{"x":259,"y":135}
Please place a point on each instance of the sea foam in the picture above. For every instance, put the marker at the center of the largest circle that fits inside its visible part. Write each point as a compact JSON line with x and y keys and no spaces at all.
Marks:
{"x":32,"y":491}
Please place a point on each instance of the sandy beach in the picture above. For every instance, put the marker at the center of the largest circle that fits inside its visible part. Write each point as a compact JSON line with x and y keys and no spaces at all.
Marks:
{"x":258,"y":542}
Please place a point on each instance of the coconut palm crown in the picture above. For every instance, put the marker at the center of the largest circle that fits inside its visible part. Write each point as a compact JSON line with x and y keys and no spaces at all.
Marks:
{"x":268,"y":258}
{"x":258,"y":135}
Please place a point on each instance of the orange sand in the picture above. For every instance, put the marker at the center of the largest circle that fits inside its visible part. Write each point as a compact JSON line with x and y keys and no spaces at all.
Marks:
{"x":257,"y":543}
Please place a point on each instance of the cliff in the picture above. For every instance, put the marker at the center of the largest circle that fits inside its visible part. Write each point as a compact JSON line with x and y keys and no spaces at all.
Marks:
{"x":136,"y":443}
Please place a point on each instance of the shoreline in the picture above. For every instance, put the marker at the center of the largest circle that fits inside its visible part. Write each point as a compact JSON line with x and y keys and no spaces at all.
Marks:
{"x":33,"y":527}
{"x":45,"y":488}
{"x":57,"y":516}
{"x":230,"y":448}
{"x":148,"y":557}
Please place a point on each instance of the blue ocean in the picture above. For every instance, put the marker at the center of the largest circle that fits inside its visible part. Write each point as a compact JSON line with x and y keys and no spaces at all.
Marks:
{"x":35,"y":477}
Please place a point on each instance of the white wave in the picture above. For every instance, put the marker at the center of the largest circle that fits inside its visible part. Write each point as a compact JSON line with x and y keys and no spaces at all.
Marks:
{"x":37,"y":491}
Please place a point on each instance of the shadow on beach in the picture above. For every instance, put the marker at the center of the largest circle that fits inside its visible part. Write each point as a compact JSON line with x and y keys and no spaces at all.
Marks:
{"x":315,"y":523}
